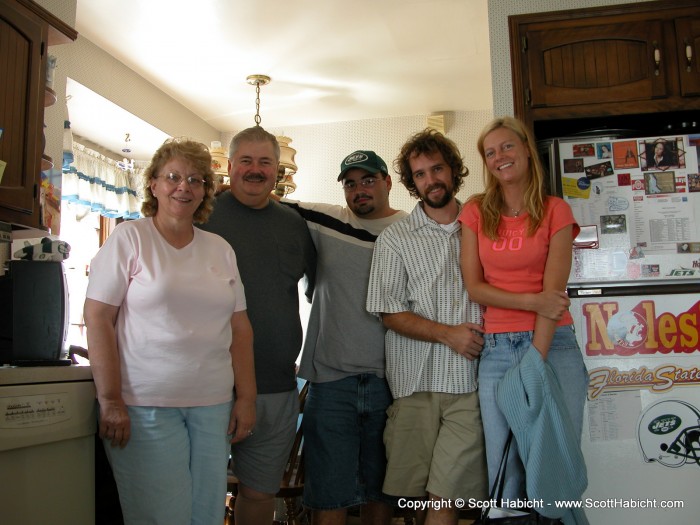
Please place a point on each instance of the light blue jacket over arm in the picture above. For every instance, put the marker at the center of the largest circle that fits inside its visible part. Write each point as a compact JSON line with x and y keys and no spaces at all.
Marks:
{"x":531,"y":399}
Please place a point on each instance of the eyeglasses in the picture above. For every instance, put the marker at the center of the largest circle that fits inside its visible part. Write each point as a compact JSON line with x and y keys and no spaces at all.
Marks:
{"x":175,"y":179}
{"x":366,"y":182}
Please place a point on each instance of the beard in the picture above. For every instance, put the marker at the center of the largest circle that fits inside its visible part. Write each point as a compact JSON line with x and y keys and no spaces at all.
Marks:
{"x":362,"y":208}
{"x":440,"y":202}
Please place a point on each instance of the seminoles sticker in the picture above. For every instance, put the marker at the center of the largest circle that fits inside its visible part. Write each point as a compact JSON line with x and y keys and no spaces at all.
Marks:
{"x":639,"y":330}
{"x":627,"y":329}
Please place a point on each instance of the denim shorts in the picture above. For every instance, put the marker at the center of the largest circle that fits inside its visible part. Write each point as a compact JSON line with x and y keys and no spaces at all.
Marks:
{"x":503,"y":351}
{"x":344,"y":451}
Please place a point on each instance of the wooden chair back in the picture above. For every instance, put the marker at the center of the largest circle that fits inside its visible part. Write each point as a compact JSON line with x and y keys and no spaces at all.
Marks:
{"x":293,"y":478}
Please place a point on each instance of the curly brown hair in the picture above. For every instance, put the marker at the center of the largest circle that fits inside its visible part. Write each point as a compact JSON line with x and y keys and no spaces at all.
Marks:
{"x":196,"y":154}
{"x":429,"y":142}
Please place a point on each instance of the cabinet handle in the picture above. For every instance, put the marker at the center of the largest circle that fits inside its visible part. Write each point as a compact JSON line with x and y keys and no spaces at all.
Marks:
{"x":689,"y":56}
{"x":657,"y":58}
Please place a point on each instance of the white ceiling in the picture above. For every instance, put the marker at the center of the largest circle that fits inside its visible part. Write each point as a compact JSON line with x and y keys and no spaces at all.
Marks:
{"x":329,"y":61}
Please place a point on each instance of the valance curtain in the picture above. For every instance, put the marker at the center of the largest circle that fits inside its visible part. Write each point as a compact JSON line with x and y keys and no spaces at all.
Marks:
{"x":98,"y":182}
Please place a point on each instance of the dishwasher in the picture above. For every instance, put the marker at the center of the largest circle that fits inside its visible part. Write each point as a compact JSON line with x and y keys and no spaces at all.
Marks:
{"x":47,"y":446}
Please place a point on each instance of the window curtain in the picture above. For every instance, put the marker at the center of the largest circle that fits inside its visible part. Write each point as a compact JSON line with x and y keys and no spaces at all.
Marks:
{"x":102,"y":185}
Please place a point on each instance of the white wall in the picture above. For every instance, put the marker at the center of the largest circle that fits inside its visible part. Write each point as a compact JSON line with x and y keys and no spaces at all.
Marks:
{"x":95,"y":69}
{"x":91,"y":66}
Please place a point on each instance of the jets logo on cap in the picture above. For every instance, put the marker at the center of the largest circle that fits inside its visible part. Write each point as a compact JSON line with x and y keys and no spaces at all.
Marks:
{"x":355,"y":158}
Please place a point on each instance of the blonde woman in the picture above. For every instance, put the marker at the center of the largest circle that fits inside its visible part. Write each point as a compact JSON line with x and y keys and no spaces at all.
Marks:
{"x":515,"y":258}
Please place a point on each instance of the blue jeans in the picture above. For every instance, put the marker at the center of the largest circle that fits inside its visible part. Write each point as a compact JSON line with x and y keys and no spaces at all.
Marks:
{"x":503,"y":351}
{"x":173,"y":469}
{"x":345,"y":458}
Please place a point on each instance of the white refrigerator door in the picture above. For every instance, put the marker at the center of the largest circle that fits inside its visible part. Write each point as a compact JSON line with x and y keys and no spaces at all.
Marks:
{"x":641,"y":433}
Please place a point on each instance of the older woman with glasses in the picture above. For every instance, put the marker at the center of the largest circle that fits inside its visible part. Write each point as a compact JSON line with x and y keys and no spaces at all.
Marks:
{"x":167,"y":333}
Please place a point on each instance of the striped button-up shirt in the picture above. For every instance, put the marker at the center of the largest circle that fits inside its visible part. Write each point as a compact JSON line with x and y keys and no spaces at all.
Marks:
{"x":415,"y":268}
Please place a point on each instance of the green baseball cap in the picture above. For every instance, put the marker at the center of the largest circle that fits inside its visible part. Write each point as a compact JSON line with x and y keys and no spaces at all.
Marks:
{"x":364,"y":159}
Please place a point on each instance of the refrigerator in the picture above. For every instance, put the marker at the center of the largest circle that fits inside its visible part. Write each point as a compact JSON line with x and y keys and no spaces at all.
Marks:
{"x":635,"y":299}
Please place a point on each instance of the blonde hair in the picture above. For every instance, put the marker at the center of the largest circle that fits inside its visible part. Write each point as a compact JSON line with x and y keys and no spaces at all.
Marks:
{"x":196,"y":154}
{"x":491,"y":201}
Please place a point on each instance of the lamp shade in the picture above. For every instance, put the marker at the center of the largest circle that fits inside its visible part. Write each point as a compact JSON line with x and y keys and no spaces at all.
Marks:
{"x":219,"y":160}
{"x":287,"y":154}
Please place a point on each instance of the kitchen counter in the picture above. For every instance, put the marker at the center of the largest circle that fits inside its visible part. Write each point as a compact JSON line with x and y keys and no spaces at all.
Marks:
{"x":43,"y":374}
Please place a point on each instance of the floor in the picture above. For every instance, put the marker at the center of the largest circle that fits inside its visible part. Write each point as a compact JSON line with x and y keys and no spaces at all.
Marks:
{"x":399,"y":521}
{"x":355,"y":520}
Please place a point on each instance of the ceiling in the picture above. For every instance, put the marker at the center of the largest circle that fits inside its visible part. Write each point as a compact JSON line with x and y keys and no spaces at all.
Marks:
{"x":329,"y":61}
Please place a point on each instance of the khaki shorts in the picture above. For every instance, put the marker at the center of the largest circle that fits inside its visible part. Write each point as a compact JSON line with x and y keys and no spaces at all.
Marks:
{"x":259,"y":460}
{"x":435,"y":444}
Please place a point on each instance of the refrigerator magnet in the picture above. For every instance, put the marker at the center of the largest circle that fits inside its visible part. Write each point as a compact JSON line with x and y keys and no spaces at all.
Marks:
{"x":587,"y":237}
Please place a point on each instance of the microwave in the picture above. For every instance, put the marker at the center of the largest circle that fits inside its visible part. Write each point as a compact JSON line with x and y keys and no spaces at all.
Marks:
{"x":33,"y":313}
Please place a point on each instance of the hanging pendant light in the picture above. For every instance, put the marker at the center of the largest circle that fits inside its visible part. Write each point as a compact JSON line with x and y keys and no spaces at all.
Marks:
{"x":219,"y":161}
{"x":257,"y":81}
{"x":287,"y":166}
{"x":126,"y":164}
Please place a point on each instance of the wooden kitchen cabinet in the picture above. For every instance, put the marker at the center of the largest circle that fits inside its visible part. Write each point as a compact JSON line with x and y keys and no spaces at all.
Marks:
{"x":26,"y":29}
{"x":613,"y":60}
{"x":688,"y":49}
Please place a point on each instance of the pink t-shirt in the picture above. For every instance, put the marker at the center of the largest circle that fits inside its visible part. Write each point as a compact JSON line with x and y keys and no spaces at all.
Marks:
{"x":175,"y":307}
{"x":515,"y":262}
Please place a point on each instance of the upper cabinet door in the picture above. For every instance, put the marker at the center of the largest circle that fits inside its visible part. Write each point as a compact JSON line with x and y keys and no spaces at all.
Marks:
{"x":688,"y":49}
{"x":22,"y":49}
{"x":606,"y":61}
{"x":595,"y":64}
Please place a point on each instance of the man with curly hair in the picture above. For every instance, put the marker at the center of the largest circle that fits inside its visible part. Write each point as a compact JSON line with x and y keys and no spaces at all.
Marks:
{"x":434,"y":437}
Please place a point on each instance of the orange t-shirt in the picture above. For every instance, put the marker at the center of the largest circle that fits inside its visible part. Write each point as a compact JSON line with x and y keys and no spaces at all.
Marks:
{"x":515,"y":262}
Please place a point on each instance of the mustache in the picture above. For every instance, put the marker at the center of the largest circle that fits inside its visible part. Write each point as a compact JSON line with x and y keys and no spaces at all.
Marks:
{"x":437,"y":185}
{"x":361,"y":196}
{"x":256,"y":176}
